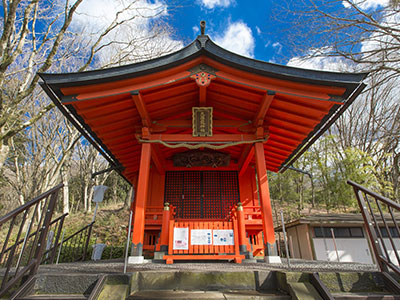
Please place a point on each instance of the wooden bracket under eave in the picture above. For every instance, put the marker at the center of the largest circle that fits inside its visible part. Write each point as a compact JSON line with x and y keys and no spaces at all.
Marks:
{"x":263,"y":108}
{"x":141,"y":108}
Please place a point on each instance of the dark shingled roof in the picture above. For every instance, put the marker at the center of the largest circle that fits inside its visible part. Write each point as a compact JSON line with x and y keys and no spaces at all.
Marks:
{"x":203,"y":45}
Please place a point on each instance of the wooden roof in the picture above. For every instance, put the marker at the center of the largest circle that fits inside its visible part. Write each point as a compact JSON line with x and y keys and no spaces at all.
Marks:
{"x":293,"y":105}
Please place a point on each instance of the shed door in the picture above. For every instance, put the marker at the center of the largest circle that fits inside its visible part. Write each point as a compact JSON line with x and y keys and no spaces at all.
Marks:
{"x":202,"y":194}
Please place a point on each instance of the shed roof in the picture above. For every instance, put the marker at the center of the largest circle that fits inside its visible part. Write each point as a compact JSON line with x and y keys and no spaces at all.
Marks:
{"x":334,"y":220}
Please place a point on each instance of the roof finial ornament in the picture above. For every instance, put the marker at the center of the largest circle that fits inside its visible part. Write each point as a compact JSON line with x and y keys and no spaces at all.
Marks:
{"x":202,"y":27}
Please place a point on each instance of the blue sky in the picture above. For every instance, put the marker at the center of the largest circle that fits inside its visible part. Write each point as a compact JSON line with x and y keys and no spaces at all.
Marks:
{"x":251,"y":23}
{"x":255,"y":28}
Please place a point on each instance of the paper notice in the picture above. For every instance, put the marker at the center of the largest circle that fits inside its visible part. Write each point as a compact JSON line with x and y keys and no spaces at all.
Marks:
{"x":201,"y":237}
{"x":223,"y":237}
{"x":181,"y":238}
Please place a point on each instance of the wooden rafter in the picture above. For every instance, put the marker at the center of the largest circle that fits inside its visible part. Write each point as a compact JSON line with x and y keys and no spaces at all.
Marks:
{"x":245,"y":159}
{"x":264,"y":106}
{"x":158,"y":159}
{"x":141,"y":107}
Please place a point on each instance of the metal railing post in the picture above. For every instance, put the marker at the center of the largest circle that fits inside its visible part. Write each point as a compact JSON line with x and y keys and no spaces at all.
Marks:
{"x":285,"y":240}
{"x":128,"y":240}
{"x":334,"y":244}
{"x":59,"y":250}
{"x":87,"y":240}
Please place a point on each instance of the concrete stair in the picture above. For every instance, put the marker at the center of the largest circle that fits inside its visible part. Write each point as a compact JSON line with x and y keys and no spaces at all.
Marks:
{"x":341,"y":286}
{"x":177,"y":284}
{"x":55,"y":297}
{"x":357,"y":285}
{"x":62,"y":287}
{"x":206,"y":285}
{"x":365,"y":296}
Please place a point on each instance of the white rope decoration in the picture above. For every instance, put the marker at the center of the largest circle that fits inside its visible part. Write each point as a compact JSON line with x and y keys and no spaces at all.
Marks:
{"x":201,"y":145}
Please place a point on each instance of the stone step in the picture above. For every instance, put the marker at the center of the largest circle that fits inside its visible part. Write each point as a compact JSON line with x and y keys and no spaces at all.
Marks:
{"x":54,"y":296}
{"x":65,"y":284}
{"x":365,"y":296}
{"x":353,"y":282}
{"x":204,"y":295}
{"x":303,"y":291}
{"x":195,"y":281}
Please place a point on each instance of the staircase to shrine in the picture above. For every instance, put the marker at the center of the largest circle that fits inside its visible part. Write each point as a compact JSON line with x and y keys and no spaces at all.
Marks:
{"x":105,"y":280}
{"x":162,"y":283}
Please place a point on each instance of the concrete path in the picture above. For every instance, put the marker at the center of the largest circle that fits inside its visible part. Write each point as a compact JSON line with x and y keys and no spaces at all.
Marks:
{"x":117,"y":266}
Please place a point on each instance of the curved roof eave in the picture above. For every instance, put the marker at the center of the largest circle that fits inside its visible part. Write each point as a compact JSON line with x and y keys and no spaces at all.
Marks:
{"x":204,"y":45}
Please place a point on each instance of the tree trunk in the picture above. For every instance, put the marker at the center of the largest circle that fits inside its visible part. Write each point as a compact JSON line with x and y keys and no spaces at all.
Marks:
{"x":64,"y":176}
{"x":85,"y":196}
{"x":89,"y":198}
{"x":128,"y":198}
{"x":4,"y":150}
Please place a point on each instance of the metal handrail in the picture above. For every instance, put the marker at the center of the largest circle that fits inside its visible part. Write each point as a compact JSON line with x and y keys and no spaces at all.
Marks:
{"x":375,"y":195}
{"x":372,"y":206}
{"x":41,"y":214}
{"x":85,"y":238}
{"x":33,"y":233}
{"x":27,"y":205}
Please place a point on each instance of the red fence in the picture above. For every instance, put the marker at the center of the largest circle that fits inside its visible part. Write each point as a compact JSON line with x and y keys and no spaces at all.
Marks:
{"x":226,"y":250}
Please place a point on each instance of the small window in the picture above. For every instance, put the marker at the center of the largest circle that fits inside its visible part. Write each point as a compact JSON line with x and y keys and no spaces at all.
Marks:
{"x":393,"y":232}
{"x":342,"y":232}
{"x":322,"y":232}
{"x":339,"y":232}
{"x":384,"y":232}
{"x":356,"y":232}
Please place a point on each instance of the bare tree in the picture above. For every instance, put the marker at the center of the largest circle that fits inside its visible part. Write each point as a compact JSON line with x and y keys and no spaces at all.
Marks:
{"x":359,"y":35}
{"x":356,"y":31}
{"x":40,"y":155}
{"x":39,"y":36}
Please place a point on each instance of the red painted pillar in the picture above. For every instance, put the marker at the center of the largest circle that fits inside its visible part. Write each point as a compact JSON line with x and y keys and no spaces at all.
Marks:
{"x":265,"y":201}
{"x":140,"y":201}
{"x":163,"y":244}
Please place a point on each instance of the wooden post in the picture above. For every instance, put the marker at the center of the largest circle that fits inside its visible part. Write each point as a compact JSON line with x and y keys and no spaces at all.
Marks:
{"x":242,"y":230}
{"x":140,"y":202}
{"x":266,"y":210}
{"x":163,"y":244}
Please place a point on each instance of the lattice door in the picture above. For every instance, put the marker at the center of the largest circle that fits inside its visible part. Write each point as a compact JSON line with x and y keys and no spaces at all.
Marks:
{"x":202,"y":194}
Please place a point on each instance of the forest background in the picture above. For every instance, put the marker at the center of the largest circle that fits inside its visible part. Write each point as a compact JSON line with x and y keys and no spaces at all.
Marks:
{"x":39,"y":148}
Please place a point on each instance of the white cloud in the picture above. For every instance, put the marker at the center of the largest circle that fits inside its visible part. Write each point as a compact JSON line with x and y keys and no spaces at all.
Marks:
{"x":277,"y":46}
{"x":210,"y":4}
{"x":195,"y":29}
{"x":237,"y":38}
{"x":258,"y":30}
{"x":366,"y":4}
{"x":140,"y":36}
{"x":315,"y":60}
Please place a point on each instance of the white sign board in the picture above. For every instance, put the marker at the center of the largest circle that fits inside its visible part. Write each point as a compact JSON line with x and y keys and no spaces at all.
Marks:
{"x":181,"y":238}
{"x":98,"y":193}
{"x":223,"y":237}
{"x":201,"y":237}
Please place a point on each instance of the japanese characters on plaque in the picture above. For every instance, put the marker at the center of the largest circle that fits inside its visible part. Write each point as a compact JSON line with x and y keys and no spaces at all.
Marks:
{"x":202,"y":121}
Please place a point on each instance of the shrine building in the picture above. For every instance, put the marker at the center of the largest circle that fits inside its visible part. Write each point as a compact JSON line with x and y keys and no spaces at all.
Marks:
{"x":195,"y":133}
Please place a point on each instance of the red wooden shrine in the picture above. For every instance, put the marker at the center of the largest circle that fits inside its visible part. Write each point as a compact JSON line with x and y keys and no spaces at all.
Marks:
{"x":200,"y":175}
